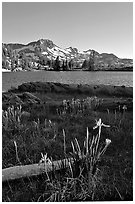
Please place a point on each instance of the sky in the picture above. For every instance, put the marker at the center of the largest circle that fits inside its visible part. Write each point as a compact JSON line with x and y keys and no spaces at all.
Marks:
{"x":102,"y":26}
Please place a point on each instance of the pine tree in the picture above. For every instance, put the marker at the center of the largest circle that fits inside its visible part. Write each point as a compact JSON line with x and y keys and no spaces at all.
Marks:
{"x":57,"y":64}
{"x":71,"y":64}
{"x":91,"y":61}
{"x":85,"y":64}
{"x":63,"y":65}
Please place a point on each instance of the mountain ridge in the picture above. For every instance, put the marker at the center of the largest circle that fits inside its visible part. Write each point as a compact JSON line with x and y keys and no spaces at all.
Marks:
{"x":42,"y":51}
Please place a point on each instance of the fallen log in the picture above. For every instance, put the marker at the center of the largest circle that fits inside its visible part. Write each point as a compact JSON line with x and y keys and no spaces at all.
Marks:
{"x":18,"y":172}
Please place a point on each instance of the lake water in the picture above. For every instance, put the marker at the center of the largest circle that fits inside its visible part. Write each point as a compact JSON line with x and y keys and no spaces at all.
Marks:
{"x":13,"y":79}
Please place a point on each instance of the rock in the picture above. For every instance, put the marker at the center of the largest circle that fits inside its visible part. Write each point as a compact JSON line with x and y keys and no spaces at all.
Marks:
{"x":11,"y":99}
{"x":28,"y":96}
{"x":35,"y":87}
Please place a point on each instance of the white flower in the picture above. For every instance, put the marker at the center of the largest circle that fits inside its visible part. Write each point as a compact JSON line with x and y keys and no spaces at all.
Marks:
{"x":45,"y":159}
{"x":124,"y":107}
{"x":108,"y":141}
{"x":100,"y":124}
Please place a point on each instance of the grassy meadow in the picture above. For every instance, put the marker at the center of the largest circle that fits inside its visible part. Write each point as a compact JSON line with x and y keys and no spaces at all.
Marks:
{"x":96,"y":130}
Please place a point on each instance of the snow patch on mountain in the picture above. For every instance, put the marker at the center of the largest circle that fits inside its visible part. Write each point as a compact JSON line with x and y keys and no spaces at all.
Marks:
{"x":68,"y":49}
{"x":56,"y":51}
{"x":62,"y":50}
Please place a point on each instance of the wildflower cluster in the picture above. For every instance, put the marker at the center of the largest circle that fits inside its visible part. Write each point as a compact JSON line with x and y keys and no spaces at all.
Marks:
{"x":78,"y":105}
{"x":47,"y":127}
{"x":82,"y":167}
{"x":92,"y":151}
{"x":12,"y":118}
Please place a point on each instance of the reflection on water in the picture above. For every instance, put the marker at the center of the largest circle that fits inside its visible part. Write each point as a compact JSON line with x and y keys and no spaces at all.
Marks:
{"x":13,"y":79}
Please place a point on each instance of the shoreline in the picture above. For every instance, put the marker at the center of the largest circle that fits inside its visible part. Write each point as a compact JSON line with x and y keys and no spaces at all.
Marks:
{"x":69,"y":84}
{"x":104,"y":70}
{"x":64,"y":87}
{"x":56,"y":87}
{"x":52,"y":94}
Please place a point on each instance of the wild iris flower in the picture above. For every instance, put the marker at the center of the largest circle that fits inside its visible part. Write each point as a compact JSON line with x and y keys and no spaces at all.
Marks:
{"x":99,"y":124}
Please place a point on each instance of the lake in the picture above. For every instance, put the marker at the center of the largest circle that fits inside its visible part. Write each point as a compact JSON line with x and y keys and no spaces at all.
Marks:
{"x":13,"y":79}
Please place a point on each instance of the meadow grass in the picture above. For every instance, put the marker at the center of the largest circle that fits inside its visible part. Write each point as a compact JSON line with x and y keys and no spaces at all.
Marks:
{"x":99,"y":172}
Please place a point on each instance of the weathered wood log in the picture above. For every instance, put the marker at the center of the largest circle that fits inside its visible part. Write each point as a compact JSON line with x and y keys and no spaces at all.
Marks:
{"x":18,"y":172}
